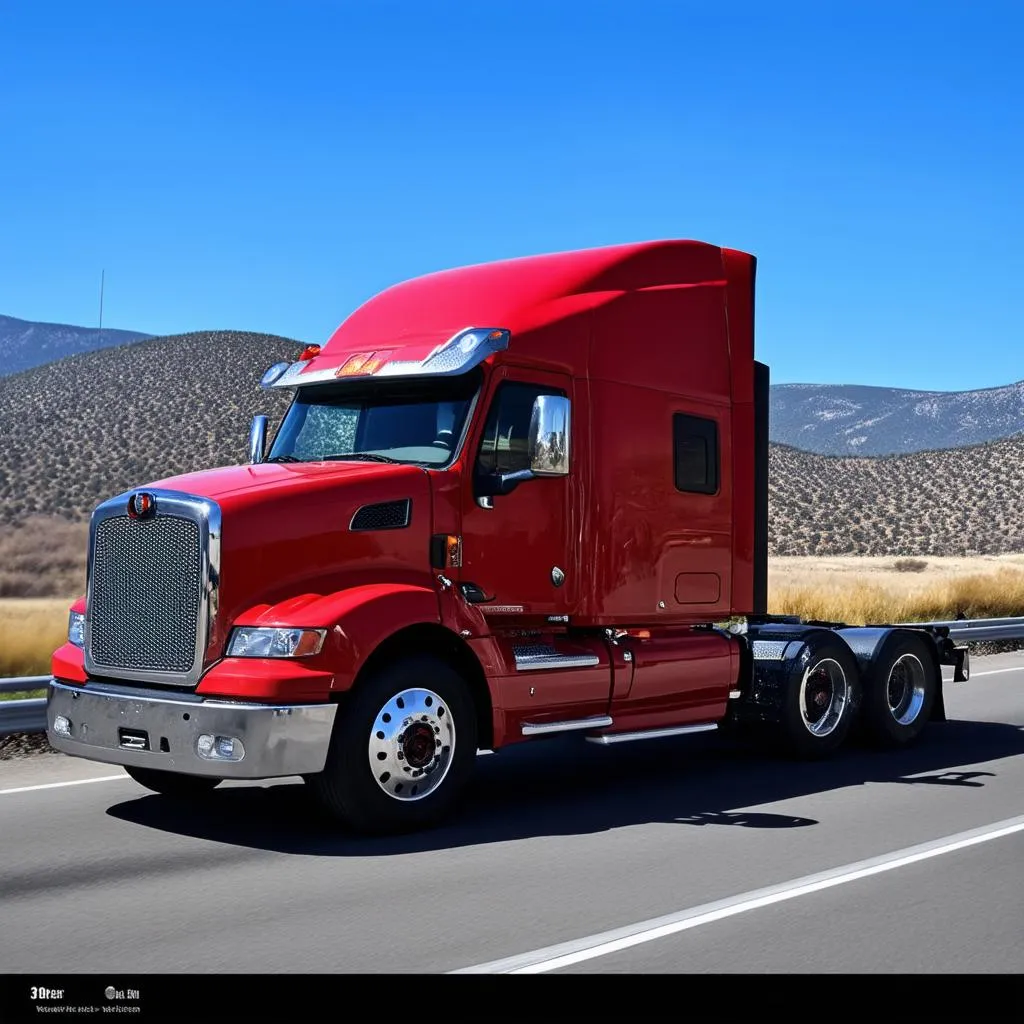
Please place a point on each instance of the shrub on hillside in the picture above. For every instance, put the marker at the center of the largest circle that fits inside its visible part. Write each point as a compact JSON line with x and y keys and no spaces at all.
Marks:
{"x":910,"y":565}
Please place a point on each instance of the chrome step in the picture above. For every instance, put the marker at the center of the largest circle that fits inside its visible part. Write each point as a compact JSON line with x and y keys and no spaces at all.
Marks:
{"x":651,"y":734}
{"x":540,"y":656}
{"x":537,"y":728}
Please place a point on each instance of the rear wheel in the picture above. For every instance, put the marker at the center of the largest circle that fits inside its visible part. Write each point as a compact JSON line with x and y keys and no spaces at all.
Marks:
{"x":403,"y":748}
{"x":900,"y":692}
{"x":173,"y":783}
{"x":820,"y":701}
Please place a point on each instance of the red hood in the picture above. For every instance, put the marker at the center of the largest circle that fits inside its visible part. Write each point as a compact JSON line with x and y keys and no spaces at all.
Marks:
{"x":270,"y":477}
{"x":285,"y":530}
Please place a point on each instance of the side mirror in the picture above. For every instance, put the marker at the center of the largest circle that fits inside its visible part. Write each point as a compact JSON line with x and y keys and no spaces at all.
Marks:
{"x":547,"y":448}
{"x":257,"y":439}
{"x":548,"y":443}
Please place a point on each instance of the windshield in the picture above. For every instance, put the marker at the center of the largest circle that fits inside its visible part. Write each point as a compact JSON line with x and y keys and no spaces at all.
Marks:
{"x":414,"y":421}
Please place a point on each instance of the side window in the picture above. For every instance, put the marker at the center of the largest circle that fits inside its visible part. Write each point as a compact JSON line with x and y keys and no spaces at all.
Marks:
{"x":695,"y":452}
{"x":506,"y":433}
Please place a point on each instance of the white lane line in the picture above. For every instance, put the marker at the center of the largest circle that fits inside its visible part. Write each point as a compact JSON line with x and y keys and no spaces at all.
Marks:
{"x":102,"y":778}
{"x":60,"y":785}
{"x":997,"y":671}
{"x":565,"y":954}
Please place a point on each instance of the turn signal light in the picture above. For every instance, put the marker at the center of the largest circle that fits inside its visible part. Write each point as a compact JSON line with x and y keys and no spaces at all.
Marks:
{"x":446,"y":551}
{"x":362,"y":364}
{"x":453,"y":546}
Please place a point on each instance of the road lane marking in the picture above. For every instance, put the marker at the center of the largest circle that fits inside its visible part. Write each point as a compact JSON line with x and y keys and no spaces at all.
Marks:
{"x":110,"y":778}
{"x":997,"y":671}
{"x":59,"y":785}
{"x":565,"y":954}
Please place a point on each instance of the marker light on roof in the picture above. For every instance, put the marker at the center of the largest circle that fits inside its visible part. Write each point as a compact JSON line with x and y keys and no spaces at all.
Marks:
{"x":273,"y":374}
{"x":466,"y":349}
{"x":362,"y":364}
{"x":470,"y":340}
{"x":309,"y":352}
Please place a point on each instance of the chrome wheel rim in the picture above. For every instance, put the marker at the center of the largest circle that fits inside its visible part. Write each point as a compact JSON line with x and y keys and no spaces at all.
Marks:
{"x":411,"y":744}
{"x":905,"y":689}
{"x":824,"y":695}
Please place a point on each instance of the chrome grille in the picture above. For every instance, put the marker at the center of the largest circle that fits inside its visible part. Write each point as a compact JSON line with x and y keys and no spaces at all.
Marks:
{"x":145,"y":593}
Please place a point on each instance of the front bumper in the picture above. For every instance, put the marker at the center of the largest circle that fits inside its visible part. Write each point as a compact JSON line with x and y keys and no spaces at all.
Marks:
{"x":123,"y":725}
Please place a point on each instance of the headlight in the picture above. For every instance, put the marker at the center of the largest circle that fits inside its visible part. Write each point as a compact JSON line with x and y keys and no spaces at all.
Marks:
{"x":76,"y":629}
{"x":259,"y":642}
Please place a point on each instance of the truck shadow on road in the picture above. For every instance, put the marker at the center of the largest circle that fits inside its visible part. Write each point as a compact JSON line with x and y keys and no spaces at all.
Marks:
{"x":563,"y":787}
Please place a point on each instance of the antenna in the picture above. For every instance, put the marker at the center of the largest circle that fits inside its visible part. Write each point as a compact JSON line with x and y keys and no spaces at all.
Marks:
{"x":102,"y":275}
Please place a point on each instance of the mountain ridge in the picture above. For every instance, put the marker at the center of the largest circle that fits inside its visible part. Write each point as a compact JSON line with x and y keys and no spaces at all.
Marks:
{"x":26,"y":344}
{"x":868,"y":420}
{"x":856,"y":420}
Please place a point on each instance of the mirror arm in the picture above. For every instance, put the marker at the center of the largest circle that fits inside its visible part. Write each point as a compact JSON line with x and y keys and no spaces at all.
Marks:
{"x":508,"y":482}
{"x":490,"y":484}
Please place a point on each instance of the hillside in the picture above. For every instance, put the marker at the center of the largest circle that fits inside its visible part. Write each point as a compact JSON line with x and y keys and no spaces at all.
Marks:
{"x":956,"y":502}
{"x":855,"y":420}
{"x":82,"y":429}
{"x":26,"y":343}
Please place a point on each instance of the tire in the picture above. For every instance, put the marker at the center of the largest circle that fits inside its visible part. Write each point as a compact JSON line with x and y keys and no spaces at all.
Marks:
{"x":173,"y":784}
{"x":403,"y":748}
{"x":820,"y":702}
{"x":899,"y":691}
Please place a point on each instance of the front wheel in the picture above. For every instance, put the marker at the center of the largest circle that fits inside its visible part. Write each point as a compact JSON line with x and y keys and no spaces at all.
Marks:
{"x":173,"y":783}
{"x":403,"y":748}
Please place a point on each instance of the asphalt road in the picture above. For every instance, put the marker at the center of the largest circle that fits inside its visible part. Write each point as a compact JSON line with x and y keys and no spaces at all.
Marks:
{"x":675,"y":855}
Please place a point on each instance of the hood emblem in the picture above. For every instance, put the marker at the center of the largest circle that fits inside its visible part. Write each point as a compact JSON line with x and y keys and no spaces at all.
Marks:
{"x":141,"y":505}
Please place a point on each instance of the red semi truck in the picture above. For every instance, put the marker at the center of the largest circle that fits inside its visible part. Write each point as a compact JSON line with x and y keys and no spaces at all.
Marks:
{"x":506,"y":501}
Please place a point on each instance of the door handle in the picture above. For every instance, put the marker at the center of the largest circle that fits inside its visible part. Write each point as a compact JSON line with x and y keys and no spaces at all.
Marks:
{"x":474,"y":594}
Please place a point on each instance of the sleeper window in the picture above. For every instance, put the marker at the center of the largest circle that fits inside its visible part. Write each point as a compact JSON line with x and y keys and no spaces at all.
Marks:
{"x":695,"y":450}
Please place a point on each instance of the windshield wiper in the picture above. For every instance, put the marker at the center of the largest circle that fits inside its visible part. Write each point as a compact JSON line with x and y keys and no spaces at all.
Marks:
{"x":282,"y":458}
{"x":363,"y":456}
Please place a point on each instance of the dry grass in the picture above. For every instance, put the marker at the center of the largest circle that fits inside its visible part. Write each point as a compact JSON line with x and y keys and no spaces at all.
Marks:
{"x":864,"y":590}
{"x":43,"y":557}
{"x":30,"y":631}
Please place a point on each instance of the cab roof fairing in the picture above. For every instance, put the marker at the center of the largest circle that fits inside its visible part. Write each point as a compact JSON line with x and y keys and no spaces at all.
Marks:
{"x":402,"y":326}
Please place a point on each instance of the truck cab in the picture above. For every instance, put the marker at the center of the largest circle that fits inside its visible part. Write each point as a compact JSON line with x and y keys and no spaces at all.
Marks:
{"x":506,"y":501}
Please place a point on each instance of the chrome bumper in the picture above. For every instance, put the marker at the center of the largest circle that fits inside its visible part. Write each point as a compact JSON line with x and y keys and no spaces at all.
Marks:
{"x":120,"y":725}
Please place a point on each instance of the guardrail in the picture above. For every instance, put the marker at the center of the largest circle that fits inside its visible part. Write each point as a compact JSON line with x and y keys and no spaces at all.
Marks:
{"x":980,"y":629}
{"x":29,"y":715}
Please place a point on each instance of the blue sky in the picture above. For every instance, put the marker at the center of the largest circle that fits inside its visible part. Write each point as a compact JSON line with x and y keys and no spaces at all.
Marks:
{"x":269,"y":166}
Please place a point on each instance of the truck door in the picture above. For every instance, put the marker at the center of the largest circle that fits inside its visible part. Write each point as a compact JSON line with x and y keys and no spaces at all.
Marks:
{"x":518,"y":550}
